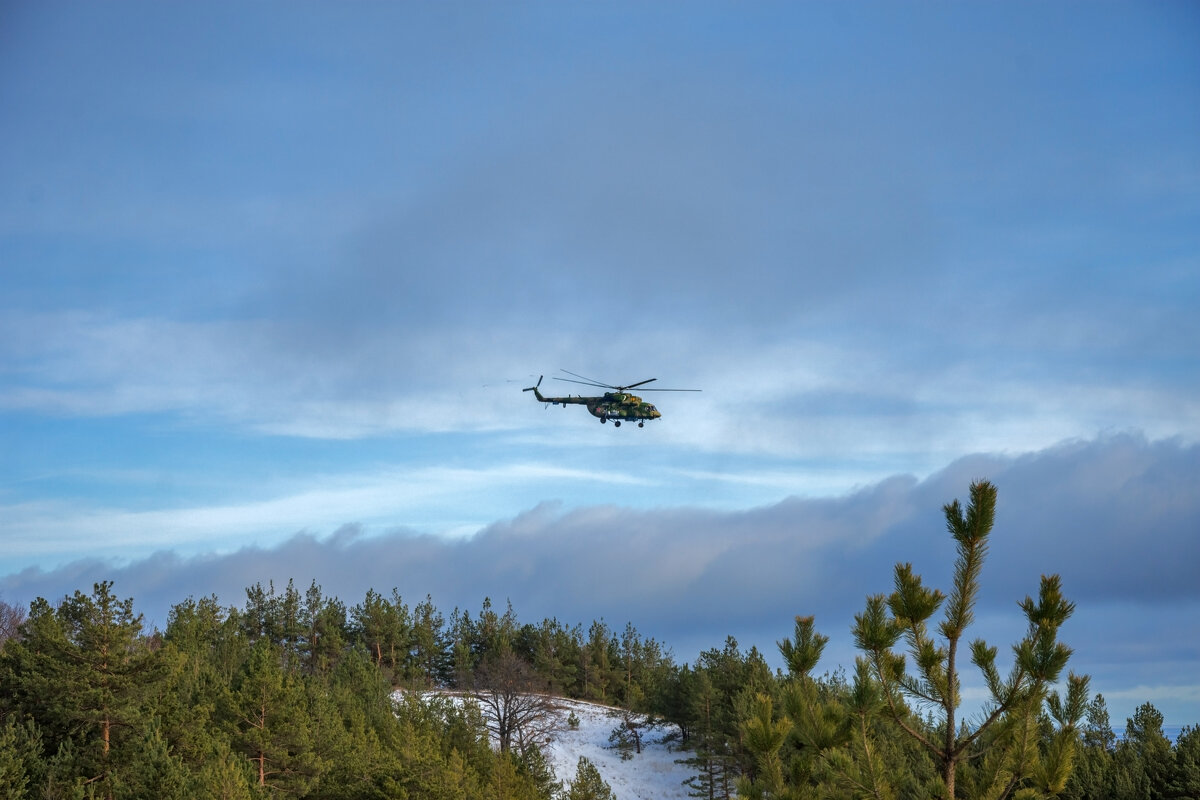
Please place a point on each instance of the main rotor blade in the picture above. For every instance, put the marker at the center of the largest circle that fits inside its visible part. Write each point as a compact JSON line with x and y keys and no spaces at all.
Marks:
{"x":585,"y":383}
{"x":585,"y":380}
{"x":589,"y":382}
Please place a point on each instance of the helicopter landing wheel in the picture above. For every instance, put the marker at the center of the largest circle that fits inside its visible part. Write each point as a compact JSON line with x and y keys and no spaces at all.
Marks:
{"x":616,"y":423}
{"x":603,"y":420}
{"x":641,"y":424}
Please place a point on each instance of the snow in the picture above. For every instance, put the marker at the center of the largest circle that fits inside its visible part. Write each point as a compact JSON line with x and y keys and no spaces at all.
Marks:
{"x":652,"y":775}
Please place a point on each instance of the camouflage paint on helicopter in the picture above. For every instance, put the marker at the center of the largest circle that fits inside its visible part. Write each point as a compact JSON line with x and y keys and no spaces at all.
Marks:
{"x":617,"y":405}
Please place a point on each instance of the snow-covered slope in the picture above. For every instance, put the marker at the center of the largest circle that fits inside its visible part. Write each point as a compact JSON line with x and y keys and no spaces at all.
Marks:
{"x":650,"y":775}
{"x":653,"y":775}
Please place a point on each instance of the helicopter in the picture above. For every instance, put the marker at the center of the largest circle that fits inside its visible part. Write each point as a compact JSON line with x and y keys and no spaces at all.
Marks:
{"x":617,"y":405}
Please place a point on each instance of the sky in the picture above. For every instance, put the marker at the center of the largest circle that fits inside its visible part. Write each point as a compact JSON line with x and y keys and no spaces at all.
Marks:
{"x":273,"y":277}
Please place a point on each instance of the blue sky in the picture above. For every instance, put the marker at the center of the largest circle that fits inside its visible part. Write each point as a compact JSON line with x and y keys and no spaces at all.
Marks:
{"x":272,"y":277}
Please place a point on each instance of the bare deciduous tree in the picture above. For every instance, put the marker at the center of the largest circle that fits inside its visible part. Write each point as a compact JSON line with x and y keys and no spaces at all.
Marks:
{"x":11,"y":618}
{"x":518,"y":711}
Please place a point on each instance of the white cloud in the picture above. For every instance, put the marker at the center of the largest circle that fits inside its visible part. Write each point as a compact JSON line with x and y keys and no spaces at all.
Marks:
{"x":819,"y":403}
{"x":422,"y":498}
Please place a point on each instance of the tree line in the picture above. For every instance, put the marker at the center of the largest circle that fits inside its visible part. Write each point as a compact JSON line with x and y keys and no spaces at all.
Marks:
{"x":292,"y":694}
{"x":295,"y":694}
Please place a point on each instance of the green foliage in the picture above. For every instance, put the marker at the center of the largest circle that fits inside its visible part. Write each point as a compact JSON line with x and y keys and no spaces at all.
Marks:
{"x":710,"y":703}
{"x":294,"y":694}
{"x":763,"y":735}
{"x":895,"y":731}
{"x":596,"y":658}
{"x":588,"y":784}
{"x":554,"y":652}
{"x":1017,"y":757}
{"x":1146,"y":746}
{"x":802,"y":653}
{"x":383,"y":627}
{"x":20,"y":758}
{"x":1142,"y":765}
{"x":626,"y":737}
{"x":1184,"y":778}
{"x":267,"y":717}
{"x":534,"y":767}
{"x":85,"y":676}
{"x":156,"y":772}
{"x":222,"y":775}
{"x":288,"y":696}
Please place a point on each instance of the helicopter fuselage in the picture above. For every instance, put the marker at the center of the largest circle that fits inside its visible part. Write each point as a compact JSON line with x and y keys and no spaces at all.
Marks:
{"x":617,"y":406}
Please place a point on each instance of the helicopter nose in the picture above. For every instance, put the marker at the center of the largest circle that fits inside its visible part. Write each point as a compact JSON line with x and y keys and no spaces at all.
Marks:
{"x":654,"y":413}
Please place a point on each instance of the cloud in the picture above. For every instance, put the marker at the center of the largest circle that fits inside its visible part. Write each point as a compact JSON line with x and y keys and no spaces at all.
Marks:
{"x":55,"y":528}
{"x":796,"y":397}
{"x":1116,"y":516}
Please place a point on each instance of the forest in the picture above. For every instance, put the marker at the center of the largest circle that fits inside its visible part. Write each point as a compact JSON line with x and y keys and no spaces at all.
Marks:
{"x":296,"y":694}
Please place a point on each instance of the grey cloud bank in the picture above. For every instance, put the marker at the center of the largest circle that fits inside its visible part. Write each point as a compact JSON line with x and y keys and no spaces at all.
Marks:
{"x":1118,"y":517}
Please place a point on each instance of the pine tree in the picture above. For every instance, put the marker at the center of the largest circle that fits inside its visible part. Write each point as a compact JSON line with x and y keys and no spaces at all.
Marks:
{"x":539,"y":773}
{"x":842,"y":749}
{"x":441,"y":751}
{"x":596,"y":663}
{"x":1009,"y":727}
{"x":1097,"y":731}
{"x":375,"y":625}
{"x":588,"y":784}
{"x":1094,"y":764}
{"x":260,"y":618}
{"x":269,"y":721}
{"x":711,"y":758}
{"x":324,"y":621}
{"x":764,"y":734}
{"x":553,"y":651}
{"x":155,"y":771}
{"x":21,"y":766}
{"x":64,"y":780}
{"x":1184,"y":780}
{"x":290,"y":626}
{"x":494,"y":633}
{"x":430,"y":662}
{"x":84,"y":673}
{"x":1027,"y":739}
{"x":199,"y":651}
{"x":350,"y":719}
{"x":223,"y":775}
{"x":1146,"y":746}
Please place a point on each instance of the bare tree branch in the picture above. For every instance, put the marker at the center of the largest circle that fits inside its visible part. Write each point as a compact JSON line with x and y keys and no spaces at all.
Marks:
{"x":517,"y":710}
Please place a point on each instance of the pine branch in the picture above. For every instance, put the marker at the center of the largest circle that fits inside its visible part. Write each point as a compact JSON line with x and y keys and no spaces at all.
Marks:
{"x":897,"y":717}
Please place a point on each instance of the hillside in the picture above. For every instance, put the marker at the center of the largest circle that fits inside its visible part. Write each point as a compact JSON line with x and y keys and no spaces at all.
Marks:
{"x":652,"y":775}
